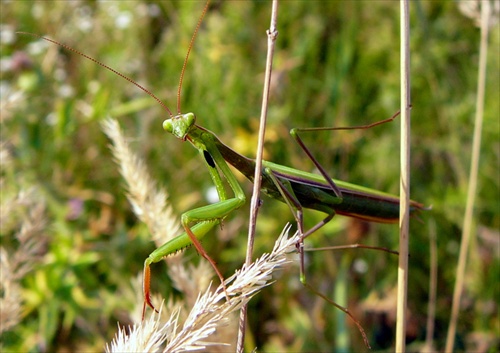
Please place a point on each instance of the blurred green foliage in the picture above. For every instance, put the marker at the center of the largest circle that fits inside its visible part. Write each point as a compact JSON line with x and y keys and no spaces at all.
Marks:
{"x":336,"y":64}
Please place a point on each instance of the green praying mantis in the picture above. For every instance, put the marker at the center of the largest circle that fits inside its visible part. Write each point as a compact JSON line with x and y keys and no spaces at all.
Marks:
{"x":296,"y":188}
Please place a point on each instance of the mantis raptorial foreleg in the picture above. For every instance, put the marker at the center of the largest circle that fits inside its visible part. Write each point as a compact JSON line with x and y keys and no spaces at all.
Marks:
{"x":191,"y":236}
{"x":205,"y":217}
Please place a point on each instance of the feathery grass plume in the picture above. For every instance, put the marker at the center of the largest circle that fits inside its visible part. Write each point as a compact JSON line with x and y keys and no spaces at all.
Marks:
{"x":22,"y":228}
{"x":147,"y":199}
{"x":210,"y":310}
{"x":22,"y":216}
{"x":191,"y":279}
{"x":147,"y":336}
{"x":10,"y":306}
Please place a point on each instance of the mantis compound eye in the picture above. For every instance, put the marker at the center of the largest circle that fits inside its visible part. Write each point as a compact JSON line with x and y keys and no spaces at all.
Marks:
{"x":168,"y":126}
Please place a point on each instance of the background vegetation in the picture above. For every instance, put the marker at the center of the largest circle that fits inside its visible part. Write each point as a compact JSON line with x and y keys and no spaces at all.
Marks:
{"x":336,"y":64}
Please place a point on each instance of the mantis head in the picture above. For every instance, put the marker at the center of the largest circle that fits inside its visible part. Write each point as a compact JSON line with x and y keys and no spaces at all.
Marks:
{"x":180,"y":125}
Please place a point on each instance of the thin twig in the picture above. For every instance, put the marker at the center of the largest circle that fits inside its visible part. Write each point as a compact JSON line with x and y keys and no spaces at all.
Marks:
{"x":404,"y":211}
{"x":272,"y":33}
{"x":431,"y":308}
{"x":471,"y":192}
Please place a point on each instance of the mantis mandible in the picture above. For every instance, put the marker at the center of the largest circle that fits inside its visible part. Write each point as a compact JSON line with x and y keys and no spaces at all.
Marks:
{"x":296,"y":188}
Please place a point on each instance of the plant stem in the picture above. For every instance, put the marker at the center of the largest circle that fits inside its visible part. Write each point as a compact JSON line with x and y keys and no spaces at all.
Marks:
{"x":272,"y":33}
{"x":404,"y":211}
{"x":471,"y":192}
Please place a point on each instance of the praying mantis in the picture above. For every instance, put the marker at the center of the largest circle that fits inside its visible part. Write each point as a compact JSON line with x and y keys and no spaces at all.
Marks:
{"x":296,"y":188}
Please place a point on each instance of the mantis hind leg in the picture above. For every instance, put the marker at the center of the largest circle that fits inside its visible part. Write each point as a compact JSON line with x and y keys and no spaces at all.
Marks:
{"x":296,"y":208}
{"x":286,"y":191}
{"x":295,"y":134}
{"x":291,"y":200}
